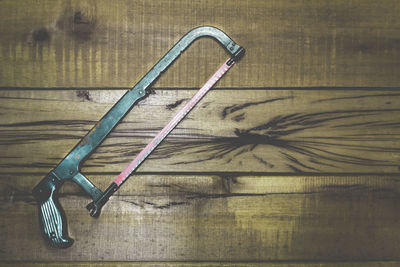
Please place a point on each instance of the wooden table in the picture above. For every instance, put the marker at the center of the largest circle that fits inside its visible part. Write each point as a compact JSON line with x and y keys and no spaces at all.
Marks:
{"x":292,"y":160}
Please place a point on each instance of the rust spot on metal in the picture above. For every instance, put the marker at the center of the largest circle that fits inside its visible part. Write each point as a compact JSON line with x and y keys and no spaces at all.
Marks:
{"x":86,"y":139}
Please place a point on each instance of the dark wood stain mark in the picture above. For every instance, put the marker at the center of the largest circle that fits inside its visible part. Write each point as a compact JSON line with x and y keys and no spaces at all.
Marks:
{"x":28,"y":165}
{"x":356,"y":97}
{"x":226,"y":182}
{"x":83,"y":94}
{"x":80,"y":19}
{"x":299,"y":147}
{"x":353,"y":187}
{"x":10,"y":134}
{"x":294,"y":169}
{"x":262,"y":161}
{"x":239,"y":117}
{"x":151,"y":91}
{"x":279,"y":132}
{"x":221,"y":188}
{"x":77,"y":24}
{"x":296,"y":162}
{"x":163,"y":206}
{"x":41,"y":35}
{"x":73,"y":123}
{"x":223,"y":184}
{"x":212,"y":196}
{"x":174,"y":105}
{"x":171,"y":204}
{"x":133,"y":202}
{"x":228,"y":110}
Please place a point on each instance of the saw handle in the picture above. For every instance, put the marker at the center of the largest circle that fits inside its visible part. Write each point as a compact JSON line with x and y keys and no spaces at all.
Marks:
{"x":52,"y":218}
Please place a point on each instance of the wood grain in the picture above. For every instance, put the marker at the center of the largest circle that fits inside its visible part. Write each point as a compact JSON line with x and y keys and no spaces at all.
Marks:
{"x":268,"y":131}
{"x":210,"y":264}
{"x":212,"y":218}
{"x":97,"y":43}
{"x":292,"y":160}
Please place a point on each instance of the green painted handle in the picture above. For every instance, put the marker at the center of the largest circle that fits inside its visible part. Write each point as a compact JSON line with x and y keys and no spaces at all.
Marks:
{"x":51,"y":215}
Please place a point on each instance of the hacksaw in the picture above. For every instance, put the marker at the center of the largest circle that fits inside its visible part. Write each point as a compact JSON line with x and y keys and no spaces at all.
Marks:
{"x":52,"y":218}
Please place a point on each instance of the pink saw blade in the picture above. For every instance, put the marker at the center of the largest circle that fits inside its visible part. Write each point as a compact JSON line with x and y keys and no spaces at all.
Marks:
{"x":172,"y":124}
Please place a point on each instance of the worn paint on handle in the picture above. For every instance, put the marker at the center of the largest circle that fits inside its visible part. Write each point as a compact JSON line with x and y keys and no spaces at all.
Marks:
{"x":172,"y":124}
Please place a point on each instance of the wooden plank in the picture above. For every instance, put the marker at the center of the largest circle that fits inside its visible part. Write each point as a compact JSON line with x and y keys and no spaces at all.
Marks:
{"x":192,"y":186}
{"x":97,"y":43}
{"x":269,"y":131}
{"x":210,"y":264}
{"x":212,"y":218}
